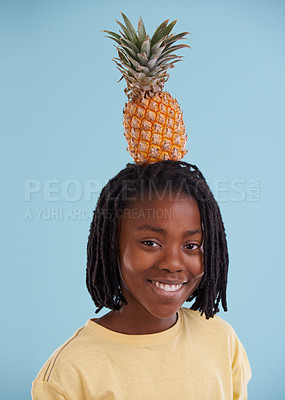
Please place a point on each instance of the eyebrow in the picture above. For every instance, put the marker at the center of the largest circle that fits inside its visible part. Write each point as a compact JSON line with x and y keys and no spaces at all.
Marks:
{"x":162,"y":231}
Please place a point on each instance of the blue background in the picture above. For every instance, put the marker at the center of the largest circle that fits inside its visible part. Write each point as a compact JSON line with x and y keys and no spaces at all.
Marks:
{"x":61,"y":128}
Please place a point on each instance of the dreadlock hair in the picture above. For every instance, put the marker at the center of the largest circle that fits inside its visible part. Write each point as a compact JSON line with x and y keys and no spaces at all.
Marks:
{"x":102,"y":275}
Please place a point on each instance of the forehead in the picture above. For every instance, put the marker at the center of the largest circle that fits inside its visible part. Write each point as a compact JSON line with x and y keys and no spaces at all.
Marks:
{"x":180,"y":211}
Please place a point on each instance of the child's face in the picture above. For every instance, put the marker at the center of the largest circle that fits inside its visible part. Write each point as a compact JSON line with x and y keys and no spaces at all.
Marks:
{"x":160,"y":254}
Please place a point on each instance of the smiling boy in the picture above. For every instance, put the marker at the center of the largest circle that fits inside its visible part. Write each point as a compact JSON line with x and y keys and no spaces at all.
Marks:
{"x":143,"y":266}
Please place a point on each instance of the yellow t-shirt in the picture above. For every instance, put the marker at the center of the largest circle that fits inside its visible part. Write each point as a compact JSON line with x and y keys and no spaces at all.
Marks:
{"x":195,"y":359}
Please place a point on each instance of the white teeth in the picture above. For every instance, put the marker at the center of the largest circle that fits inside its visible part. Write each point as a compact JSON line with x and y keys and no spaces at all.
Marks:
{"x":166,"y":287}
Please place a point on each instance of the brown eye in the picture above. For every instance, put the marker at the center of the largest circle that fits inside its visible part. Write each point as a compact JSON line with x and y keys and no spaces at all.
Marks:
{"x":192,"y":246}
{"x":150,"y":243}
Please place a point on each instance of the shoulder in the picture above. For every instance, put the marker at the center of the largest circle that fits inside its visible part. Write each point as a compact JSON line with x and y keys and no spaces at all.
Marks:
{"x":65,"y":372}
{"x":60,"y":355}
{"x":214,"y":327}
{"x":77,"y":351}
{"x":214,"y":333}
{"x":195,"y":317}
{"x":220,"y":342}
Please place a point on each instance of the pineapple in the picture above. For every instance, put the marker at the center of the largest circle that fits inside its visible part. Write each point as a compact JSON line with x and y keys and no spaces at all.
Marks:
{"x":153,"y":120}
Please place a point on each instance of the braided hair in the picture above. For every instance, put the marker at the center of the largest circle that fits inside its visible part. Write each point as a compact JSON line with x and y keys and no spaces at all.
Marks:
{"x":102,"y":275}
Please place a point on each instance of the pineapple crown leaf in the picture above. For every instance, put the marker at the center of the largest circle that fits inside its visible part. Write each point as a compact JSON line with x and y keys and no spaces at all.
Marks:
{"x":143,"y":69}
{"x":145,"y":47}
{"x":173,"y":48}
{"x":126,"y":34}
{"x":123,"y":58}
{"x":129,"y":52}
{"x":164,"y":32}
{"x":129,"y":44}
{"x":130,"y":69}
{"x":142,"y":58}
{"x":110,"y":37}
{"x":151,"y":64}
{"x":113,"y":34}
{"x":127,"y":59}
{"x":131,"y":30}
{"x":157,"y":53}
{"x":155,"y":47}
{"x":157,"y":70}
{"x":158,"y":30}
{"x":173,"y":38}
{"x":169,"y":46}
{"x":161,"y":63}
{"x":123,"y":35}
{"x":122,"y":62}
{"x":135,"y":63}
{"x":141,"y":30}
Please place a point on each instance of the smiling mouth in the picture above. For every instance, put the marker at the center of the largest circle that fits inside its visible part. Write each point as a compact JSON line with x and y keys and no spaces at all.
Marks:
{"x":167,"y":287}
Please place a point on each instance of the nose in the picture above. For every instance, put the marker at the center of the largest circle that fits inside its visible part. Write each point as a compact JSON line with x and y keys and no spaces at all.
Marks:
{"x":171,"y":260}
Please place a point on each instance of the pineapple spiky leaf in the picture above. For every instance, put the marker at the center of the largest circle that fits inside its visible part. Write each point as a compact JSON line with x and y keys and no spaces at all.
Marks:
{"x":162,"y":26}
{"x":156,"y":46}
{"x":166,"y":31}
{"x":123,"y":58}
{"x":117,"y":41}
{"x":126,"y":33}
{"x":129,"y":51}
{"x":143,"y":58}
{"x":130,"y":44}
{"x":141,"y":31}
{"x":145,"y":47}
{"x":113,"y":34}
{"x":174,"y":48}
{"x":173,"y":38}
{"x":131,"y":30}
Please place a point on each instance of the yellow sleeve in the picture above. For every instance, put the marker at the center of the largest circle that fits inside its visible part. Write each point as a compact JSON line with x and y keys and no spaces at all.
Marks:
{"x":241,"y":372}
{"x":42,"y":390}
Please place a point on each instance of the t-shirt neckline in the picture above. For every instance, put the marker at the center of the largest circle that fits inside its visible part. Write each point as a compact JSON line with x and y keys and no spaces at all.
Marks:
{"x":136,"y":339}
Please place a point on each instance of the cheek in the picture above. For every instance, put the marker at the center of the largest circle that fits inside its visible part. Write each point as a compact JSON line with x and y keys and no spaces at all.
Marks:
{"x":134,"y":260}
{"x":130,"y":267}
{"x":196,"y":265}
{"x":127,"y":261}
{"x":197,"y":271}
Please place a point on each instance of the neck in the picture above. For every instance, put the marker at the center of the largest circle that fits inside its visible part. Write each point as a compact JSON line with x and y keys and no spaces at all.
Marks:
{"x":122,"y":321}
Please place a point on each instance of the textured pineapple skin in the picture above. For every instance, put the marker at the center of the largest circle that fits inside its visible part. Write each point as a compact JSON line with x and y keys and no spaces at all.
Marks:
{"x":154,"y":129}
